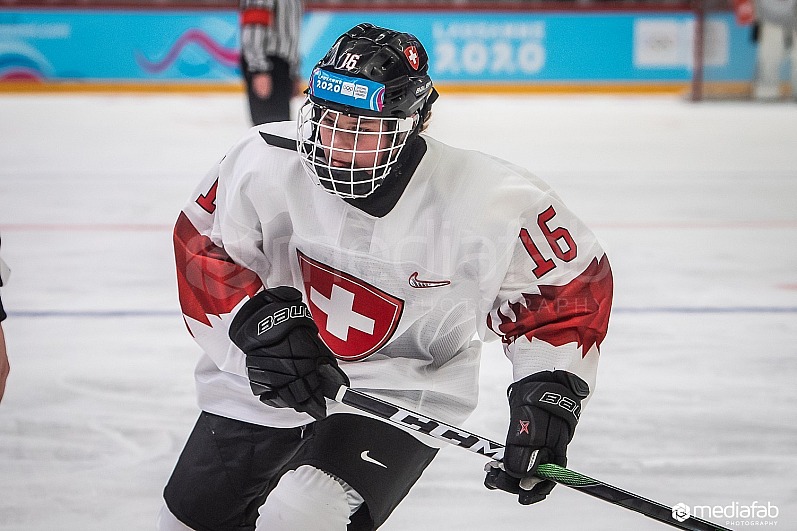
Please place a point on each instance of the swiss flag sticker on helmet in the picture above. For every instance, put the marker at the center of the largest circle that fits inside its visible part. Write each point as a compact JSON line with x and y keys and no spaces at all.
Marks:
{"x":354,"y":318}
{"x":412,"y":56}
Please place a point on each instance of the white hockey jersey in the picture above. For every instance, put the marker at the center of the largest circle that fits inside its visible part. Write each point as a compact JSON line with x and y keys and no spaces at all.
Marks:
{"x":475,"y":249}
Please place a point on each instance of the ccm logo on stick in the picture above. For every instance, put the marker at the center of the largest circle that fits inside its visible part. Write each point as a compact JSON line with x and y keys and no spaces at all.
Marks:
{"x":282,"y":315}
{"x":563,"y":402}
{"x":447,"y":433}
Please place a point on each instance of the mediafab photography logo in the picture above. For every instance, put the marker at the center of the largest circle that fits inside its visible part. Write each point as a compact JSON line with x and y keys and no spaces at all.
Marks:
{"x":735,"y":513}
{"x":681,"y":512}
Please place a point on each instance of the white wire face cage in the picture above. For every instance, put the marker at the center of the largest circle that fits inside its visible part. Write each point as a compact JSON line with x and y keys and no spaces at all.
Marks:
{"x":347,"y":154}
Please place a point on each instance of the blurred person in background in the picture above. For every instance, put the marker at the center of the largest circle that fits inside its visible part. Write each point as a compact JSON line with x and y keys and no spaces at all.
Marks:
{"x":4,"y":366}
{"x":777,"y":32}
{"x":270,"y":31}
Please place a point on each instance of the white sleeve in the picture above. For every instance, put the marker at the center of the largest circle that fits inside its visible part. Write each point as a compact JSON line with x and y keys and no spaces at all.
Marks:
{"x":552,"y":309}
{"x":213,"y":281}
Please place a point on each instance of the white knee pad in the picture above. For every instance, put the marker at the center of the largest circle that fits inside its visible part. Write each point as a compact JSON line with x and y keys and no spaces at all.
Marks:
{"x":168,"y":522}
{"x":308,"y":498}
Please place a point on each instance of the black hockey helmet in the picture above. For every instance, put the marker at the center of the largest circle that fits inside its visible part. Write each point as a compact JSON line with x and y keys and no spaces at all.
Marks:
{"x":395,"y":64}
{"x":368,"y":97}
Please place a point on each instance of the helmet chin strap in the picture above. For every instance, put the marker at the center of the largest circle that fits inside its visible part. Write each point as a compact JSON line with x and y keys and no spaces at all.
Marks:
{"x":348,"y":183}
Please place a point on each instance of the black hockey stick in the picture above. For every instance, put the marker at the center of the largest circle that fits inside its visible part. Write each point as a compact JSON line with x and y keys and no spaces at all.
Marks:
{"x":676,"y":517}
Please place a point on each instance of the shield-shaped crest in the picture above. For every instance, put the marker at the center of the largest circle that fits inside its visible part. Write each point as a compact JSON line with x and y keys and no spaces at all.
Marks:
{"x":411,"y":52}
{"x":354,"y":318}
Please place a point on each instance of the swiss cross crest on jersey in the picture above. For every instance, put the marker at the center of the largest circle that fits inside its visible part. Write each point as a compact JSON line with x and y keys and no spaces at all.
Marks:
{"x":354,"y":318}
{"x":412,"y":56}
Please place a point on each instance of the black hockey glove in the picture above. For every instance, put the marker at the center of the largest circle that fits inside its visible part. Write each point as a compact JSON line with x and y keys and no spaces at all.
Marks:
{"x":543,"y":413}
{"x":284,"y":353}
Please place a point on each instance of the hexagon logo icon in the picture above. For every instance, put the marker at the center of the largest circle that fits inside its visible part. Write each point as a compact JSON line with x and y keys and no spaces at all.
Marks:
{"x":681,"y":512}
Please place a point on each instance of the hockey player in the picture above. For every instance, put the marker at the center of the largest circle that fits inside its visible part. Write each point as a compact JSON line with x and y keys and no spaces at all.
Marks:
{"x":386,"y":269}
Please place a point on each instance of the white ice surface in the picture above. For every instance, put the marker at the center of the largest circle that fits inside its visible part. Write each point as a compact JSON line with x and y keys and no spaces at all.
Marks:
{"x":697,"y":387}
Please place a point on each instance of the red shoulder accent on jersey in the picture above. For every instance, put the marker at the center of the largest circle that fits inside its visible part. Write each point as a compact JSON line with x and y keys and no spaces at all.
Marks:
{"x":208,"y":281}
{"x":576,"y":312}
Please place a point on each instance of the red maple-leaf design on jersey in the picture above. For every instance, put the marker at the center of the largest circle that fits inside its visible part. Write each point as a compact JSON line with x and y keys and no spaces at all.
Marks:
{"x":208,"y":281}
{"x":577,"y":312}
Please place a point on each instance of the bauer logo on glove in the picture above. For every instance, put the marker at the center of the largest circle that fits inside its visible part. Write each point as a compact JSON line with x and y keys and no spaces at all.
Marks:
{"x":544,"y":408}
{"x":284,"y":353}
{"x":563,"y":402}
{"x":282,"y":315}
